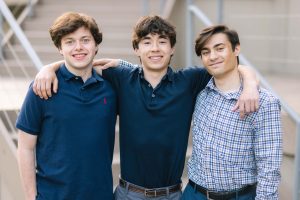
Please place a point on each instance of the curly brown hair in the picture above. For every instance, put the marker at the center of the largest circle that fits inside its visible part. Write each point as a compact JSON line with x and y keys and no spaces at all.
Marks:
{"x":70,"y":22}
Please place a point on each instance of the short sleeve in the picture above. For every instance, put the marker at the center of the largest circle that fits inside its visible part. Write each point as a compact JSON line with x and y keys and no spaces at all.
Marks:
{"x":116,"y":75}
{"x":199,"y":77}
{"x":31,"y":116}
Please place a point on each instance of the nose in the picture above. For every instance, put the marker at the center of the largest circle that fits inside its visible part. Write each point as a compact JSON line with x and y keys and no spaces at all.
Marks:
{"x":78,"y":45}
{"x":154,"y":46}
{"x":213,"y":55}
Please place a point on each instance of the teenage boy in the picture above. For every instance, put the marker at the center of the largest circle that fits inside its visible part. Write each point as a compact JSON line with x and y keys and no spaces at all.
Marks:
{"x":231,"y":158}
{"x":72,"y":134}
{"x":155,"y":108}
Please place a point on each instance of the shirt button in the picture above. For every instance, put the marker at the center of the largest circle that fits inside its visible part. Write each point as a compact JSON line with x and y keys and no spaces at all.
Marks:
{"x":153,"y":95}
{"x":149,"y":85}
{"x":76,"y":78}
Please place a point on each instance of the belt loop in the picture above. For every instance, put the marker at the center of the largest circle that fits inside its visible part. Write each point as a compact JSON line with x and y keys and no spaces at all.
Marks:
{"x":127,"y":187}
{"x":236,"y":195}
{"x":168,"y":192}
{"x":195,"y":188}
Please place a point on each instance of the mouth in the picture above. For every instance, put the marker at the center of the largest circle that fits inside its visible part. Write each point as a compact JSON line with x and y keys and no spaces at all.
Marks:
{"x":155,"y":58}
{"x":79,"y":56}
{"x":215,"y":64}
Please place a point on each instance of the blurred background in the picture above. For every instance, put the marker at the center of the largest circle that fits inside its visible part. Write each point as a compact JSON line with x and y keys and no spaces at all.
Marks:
{"x":269,"y":32}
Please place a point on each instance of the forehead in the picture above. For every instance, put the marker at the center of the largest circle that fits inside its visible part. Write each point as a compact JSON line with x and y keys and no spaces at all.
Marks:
{"x":155,"y":36}
{"x":79,"y":33}
{"x":217,"y":39}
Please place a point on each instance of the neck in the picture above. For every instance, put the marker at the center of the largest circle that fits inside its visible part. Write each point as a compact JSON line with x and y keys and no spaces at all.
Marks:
{"x":84,"y":73}
{"x":229,"y":82}
{"x":154,"y":77}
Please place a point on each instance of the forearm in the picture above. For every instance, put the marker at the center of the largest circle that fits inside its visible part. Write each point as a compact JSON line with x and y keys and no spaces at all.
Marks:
{"x":27,"y":172}
{"x":249,"y":76}
{"x":55,"y":66}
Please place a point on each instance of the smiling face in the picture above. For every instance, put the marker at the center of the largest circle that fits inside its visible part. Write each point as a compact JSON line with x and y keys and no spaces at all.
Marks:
{"x":155,"y":52}
{"x":78,"y":49}
{"x":218,"y":57}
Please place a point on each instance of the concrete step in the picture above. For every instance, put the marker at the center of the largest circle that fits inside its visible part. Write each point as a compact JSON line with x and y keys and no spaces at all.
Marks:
{"x":114,"y":26}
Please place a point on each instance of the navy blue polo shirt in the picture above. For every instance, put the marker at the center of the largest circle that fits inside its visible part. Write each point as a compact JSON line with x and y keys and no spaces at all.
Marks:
{"x":75,"y":138}
{"x":154,"y":122}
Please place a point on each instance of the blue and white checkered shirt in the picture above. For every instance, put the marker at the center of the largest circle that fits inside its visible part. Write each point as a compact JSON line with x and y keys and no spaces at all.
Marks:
{"x":230,"y":153}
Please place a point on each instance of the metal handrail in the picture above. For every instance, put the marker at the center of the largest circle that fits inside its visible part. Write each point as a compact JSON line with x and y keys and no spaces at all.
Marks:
{"x":20,"y":34}
{"x":27,"y":11}
{"x":194,"y":10}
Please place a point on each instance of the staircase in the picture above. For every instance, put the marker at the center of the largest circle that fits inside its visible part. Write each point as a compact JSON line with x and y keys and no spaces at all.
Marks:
{"x":115,"y":18}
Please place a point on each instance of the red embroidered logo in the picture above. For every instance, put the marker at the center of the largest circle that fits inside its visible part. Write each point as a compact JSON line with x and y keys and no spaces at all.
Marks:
{"x":104,"y":101}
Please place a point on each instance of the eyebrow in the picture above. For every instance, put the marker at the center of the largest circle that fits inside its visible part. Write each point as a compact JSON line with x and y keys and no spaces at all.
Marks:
{"x":216,"y":45}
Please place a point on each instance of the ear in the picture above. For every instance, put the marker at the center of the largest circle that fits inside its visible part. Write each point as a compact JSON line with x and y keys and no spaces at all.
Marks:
{"x":137,"y":52}
{"x":96,"y":49}
{"x":237,"y":50}
{"x":60,"y":51}
{"x":172,"y":51}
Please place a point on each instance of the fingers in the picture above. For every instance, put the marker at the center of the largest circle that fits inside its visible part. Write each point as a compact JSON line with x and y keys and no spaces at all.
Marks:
{"x":55,"y":85}
{"x":38,"y":88}
{"x":236,"y":107}
{"x":43,"y":90}
{"x":242,"y":109}
{"x":48,"y":89}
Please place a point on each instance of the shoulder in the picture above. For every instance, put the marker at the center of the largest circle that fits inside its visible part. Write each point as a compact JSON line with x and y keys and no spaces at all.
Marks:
{"x":267,"y":98}
{"x":192,"y":71}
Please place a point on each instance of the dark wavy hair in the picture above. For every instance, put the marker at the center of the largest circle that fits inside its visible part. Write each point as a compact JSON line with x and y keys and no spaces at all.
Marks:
{"x":153,"y":24}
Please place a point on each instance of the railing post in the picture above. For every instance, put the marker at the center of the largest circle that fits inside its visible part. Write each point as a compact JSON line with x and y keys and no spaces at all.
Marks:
{"x":145,"y":7}
{"x":189,"y":34}
{"x":1,"y":37}
{"x":297,"y":163}
{"x":220,"y":11}
{"x":20,"y":34}
{"x":30,"y":7}
{"x":162,"y":5}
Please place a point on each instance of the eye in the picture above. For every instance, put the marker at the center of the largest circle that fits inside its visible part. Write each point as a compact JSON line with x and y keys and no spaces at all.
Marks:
{"x":69,"y":42}
{"x":220,"y":49}
{"x":162,"y":41}
{"x":204,"y":53}
{"x":86,"y":40}
{"x":146,"y":42}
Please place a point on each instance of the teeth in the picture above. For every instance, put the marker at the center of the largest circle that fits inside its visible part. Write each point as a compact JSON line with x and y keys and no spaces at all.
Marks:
{"x":79,"y":55}
{"x":155,"y":57}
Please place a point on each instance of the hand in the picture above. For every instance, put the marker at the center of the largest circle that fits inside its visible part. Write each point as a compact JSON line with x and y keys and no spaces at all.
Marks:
{"x":105,"y":63}
{"x":248,"y":101}
{"x":43,"y":81}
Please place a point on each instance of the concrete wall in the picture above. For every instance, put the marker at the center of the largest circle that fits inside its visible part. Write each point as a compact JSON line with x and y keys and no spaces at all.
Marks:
{"x":269,"y":31}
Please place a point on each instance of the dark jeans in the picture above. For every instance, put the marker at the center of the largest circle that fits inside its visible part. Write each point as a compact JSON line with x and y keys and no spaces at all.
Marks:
{"x":190,"y":194}
{"x":124,"y":194}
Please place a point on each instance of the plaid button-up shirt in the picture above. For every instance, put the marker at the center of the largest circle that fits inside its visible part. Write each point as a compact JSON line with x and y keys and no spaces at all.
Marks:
{"x":229,"y":152}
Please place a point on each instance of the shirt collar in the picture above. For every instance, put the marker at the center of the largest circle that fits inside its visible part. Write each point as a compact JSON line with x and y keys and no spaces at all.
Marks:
{"x":67,"y":75}
{"x":230,"y":95}
{"x":169,"y":75}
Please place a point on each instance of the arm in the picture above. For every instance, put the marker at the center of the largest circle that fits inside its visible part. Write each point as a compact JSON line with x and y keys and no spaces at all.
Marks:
{"x":248,"y":101}
{"x":268,"y":149}
{"x":26,"y":159}
{"x":45,"y":78}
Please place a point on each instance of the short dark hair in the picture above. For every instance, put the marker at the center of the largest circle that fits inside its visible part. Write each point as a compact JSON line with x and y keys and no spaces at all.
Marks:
{"x":153,"y":24}
{"x":70,"y":22}
{"x":208,"y":32}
